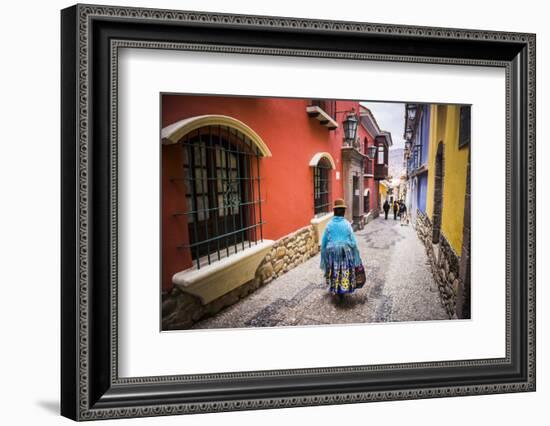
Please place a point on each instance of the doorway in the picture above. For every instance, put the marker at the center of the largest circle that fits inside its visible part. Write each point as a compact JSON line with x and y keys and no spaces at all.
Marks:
{"x":355,"y":203}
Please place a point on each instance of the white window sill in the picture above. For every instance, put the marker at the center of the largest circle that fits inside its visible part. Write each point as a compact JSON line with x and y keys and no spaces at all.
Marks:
{"x":221,"y":276}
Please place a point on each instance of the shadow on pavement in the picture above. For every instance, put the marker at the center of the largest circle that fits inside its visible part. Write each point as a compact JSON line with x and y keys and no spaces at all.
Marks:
{"x":349,"y":301}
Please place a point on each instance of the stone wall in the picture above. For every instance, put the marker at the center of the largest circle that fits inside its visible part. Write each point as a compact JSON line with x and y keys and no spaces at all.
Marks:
{"x":444,"y":263}
{"x":289,"y":252}
{"x":181,"y":310}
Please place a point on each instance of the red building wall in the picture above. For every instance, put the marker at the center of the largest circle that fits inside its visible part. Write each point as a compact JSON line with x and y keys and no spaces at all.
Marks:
{"x":287,"y":179}
{"x":370,"y":183}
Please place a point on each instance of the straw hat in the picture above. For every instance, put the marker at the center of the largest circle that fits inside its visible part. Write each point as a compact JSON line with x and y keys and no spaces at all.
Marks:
{"x":339,"y":203}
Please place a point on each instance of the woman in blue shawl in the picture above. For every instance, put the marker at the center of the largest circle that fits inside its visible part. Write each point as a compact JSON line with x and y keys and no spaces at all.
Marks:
{"x":340,"y":258}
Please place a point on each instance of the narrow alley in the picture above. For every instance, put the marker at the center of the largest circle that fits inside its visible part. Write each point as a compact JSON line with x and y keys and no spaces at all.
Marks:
{"x":399,"y":287}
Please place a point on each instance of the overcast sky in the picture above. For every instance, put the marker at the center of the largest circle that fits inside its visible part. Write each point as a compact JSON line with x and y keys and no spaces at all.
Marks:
{"x":390,"y":117}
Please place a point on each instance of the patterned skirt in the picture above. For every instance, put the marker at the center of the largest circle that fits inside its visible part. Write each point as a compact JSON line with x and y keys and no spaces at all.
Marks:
{"x":340,"y":272}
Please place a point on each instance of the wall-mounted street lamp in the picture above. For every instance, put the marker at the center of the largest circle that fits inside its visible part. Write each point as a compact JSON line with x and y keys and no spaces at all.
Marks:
{"x":411,"y":111}
{"x":372,"y":151}
{"x":408,"y":133}
{"x":350,"y":128}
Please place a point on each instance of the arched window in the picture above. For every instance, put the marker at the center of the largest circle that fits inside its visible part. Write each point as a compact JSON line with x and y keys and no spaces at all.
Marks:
{"x":322,"y":164}
{"x":321,"y":187}
{"x":221,"y":173}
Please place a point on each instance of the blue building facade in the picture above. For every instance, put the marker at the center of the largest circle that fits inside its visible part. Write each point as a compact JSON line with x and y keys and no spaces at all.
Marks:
{"x":424,"y":139}
{"x":417,"y":136}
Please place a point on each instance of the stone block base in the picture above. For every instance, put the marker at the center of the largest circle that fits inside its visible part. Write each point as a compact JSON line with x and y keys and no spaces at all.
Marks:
{"x":444,"y":263}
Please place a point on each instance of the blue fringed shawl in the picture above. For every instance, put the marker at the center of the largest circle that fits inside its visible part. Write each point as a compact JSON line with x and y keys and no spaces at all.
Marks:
{"x":338,"y":234}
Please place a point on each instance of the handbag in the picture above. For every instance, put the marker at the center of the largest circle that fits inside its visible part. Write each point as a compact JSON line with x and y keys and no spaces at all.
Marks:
{"x":360,"y":276}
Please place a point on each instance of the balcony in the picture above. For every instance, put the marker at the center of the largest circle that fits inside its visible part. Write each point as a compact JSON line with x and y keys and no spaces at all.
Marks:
{"x":324,"y":111}
{"x":380,"y":171}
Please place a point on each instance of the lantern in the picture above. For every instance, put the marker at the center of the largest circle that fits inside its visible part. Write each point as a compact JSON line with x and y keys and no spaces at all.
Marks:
{"x":350,"y":128}
{"x":411,"y":111}
{"x":372,"y":151}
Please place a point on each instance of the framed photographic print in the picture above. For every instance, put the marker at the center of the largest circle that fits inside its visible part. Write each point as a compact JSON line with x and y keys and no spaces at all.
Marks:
{"x":263,"y":212}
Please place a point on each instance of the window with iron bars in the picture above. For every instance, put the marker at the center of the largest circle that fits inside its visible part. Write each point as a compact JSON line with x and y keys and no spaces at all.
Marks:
{"x":221,"y":170}
{"x":321,"y":187}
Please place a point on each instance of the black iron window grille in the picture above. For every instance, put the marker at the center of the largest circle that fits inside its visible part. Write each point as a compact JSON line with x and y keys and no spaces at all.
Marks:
{"x":321,"y":187}
{"x":221,"y":171}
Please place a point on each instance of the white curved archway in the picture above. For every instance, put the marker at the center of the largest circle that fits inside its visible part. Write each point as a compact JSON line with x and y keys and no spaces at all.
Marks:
{"x":320,"y":155}
{"x":174,"y":132}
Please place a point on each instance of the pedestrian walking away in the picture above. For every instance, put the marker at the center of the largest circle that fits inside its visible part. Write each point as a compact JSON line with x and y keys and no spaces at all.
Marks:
{"x":395,"y":210}
{"x":386,"y":208}
{"x":340,"y":259}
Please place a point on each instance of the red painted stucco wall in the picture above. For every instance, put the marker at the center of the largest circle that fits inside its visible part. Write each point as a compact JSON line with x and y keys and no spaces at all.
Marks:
{"x":287,"y":179}
{"x":370,"y":183}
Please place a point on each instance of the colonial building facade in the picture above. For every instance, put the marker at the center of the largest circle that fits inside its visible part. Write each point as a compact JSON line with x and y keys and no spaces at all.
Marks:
{"x":417,"y":135}
{"x":376,"y":143}
{"x":247,"y":189}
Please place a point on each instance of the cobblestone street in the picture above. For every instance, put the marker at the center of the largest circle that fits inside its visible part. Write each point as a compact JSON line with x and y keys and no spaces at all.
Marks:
{"x":399,"y":287}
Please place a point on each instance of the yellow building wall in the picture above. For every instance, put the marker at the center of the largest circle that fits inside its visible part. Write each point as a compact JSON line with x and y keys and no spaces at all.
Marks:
{"x":445,"y":121}
{"x":383,"y":191}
